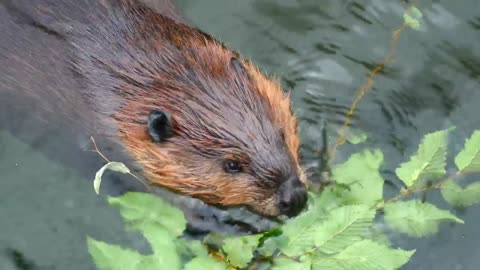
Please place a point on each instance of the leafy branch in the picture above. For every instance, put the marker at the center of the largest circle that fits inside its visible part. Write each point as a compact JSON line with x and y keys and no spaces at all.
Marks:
{"x":337,"y":231}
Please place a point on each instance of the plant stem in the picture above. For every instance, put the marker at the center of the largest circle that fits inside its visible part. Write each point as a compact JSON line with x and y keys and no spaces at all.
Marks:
{"x":408,"y":192}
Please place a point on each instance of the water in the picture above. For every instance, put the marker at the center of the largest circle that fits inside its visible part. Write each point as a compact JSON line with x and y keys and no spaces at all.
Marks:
{"x":322,"y":51}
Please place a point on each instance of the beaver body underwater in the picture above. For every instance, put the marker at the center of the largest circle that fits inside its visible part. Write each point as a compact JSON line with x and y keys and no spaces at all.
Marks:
{"x":194,"y":116}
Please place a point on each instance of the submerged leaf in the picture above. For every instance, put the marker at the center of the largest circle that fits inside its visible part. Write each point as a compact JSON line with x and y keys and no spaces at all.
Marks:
{"x":355,"y":136}
{"x":415,"y":218}
{"x":364,"y":255}
{"x":112,"y":166}
{"x":142,"y":211}
{"x":428,"y":163}
{"x":326,"y":233}
{"x":240,"y":249}
{"x":360,"y":174}
{"x":455,"y":195}
{"x":468,"y":160}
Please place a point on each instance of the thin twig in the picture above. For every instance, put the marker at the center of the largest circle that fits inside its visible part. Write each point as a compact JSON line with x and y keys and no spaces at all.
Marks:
{"x":408,"y":192}
{"x":369,"y":84}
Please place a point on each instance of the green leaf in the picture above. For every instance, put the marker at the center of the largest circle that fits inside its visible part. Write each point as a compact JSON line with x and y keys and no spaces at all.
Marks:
{"x":428,"y":163}
{"x":344,"y":226}
{"x":360,"y":174}
{"x":355,"y":136}
{"x":330,"y":233}
{"x":142,"y":211}
{"x":280,"y":263}
{"x":154,"y":262}
{"x":163,"y":245}
{"x":111,"y":257}
{"x":415,"y":12}
{"x":412,"y":17}
{"x":364,"y":255}
{"x":468,"y":160}
{"x":240,"y":249}
{"x":272,"y":244}
{"x":455,"y":195}
{"x":190,"y":248}
{"x":377,"y":235}
{"x":416,"y":218}
{"x":204,"y":263}
{"x":112,"y":166}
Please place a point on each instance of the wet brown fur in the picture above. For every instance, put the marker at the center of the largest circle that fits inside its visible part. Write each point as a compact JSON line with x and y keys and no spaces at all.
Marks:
{"x":133,"y":60}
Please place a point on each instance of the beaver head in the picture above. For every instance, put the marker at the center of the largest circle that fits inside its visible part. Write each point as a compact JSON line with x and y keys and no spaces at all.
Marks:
{"x":199,"y":119}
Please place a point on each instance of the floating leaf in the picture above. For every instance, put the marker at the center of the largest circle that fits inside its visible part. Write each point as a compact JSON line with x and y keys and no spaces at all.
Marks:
{"x":416,"y":218}
{"x":455,"y":195}
{"x":468,"y":160}
{"x":142,"y":210}
{"x":364,"y":255}
{"x":305,"y":263}
{"x":111,"y":257}
{"x":326,"y":233}
{"x":240,"y":249}
{"x":204,"y":263}
{"x":112,"y":166}
{"x":428,"y":163}
{"x":360,"y":174}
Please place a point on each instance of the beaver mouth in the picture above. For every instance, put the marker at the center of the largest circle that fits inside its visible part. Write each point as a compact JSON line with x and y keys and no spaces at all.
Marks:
{"x":204,"y":218}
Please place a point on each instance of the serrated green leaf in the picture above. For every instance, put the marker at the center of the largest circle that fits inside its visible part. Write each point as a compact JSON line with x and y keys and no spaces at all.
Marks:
{"x":204,"y":263}
{"x":112,"y":257}
{"x":280,"y":263}
{"x":428,"y":163}
{"x":468,"y":160}
{"x":364,"y":255}
{"x":112,"y":166}
{"x":142,"y":210}
{"x":344,"y":226}
{"x":326,"y":233}
{"x":360,"y":174}
{"x":415,"y":218}
{"x":455,"y":195}
{"x":240,"y":249}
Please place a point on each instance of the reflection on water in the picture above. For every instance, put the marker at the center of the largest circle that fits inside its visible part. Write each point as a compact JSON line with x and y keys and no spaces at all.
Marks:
{"x":322,"y":51}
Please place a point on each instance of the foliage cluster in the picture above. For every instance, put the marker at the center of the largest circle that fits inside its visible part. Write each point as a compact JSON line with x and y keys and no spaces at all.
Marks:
{"x":338,"y":231}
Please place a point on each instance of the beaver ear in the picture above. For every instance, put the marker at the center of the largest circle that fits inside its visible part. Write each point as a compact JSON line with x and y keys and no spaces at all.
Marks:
{"x":159,"y":126}
{"x":238,"y":66}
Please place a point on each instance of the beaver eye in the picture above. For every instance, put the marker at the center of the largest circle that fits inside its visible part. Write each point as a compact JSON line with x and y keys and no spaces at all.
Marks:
{"x":232,"y":166}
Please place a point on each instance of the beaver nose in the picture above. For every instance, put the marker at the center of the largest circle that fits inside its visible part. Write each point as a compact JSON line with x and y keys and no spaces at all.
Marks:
{"x":293,"y":197}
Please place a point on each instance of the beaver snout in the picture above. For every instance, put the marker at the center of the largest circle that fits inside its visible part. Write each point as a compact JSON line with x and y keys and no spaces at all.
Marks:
{"x":292,"y":197}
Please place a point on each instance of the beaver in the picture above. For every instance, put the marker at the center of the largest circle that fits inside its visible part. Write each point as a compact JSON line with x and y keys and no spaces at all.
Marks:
{"x":196,"y":117}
